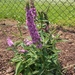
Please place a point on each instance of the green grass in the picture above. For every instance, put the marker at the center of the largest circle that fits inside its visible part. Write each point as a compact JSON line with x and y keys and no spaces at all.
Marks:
{"x":60,"y":13}
{"x":12,"y":9}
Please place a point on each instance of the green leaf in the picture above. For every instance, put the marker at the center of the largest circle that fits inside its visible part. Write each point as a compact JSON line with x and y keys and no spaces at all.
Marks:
{"x":17,"y":43}
{"x":9,"y":48}
{"x":50,"y":74}
{"x":19,"y":68}
{"x":35,"y":72}
{"x":41,"y":72}
{"x":29,"y":62}
{"x":17,"y":58}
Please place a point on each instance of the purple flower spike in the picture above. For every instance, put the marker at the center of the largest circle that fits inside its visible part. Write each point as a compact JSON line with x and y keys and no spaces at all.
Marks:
{"x":32,"y":27}
{"x":30,"y":17}
{"x":9,"y":42}
{"x":23,"y":51}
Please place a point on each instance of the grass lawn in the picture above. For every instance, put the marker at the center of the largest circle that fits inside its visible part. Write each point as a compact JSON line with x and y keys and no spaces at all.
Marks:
{"x":59,"y":13}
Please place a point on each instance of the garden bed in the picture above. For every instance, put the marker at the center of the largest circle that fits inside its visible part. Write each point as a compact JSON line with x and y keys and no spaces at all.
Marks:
{"x":66,"y":56}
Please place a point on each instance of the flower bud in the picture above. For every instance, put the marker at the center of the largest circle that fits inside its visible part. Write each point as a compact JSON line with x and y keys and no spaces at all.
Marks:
{"x":9,"y":42}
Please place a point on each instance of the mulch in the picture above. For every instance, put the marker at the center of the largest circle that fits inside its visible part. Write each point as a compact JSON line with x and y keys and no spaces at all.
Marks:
{"x":67,"y":48}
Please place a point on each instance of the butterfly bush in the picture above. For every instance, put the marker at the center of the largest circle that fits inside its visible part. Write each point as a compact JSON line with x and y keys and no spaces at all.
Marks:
{"x":38,"y":56}
{"x":31,"y":26}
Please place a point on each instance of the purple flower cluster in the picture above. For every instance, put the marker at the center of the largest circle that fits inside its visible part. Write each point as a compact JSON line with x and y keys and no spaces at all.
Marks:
{"x":9,"y":42}
{"x":28,"y":42}
{"x":33,"y":11}
{"x":31,"y":26}
{"x":23,"y":51}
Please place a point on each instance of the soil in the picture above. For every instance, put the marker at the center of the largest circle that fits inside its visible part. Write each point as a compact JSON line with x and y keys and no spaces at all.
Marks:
{"x":67,"y":47}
